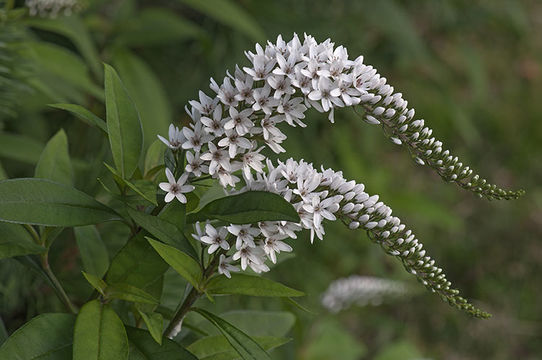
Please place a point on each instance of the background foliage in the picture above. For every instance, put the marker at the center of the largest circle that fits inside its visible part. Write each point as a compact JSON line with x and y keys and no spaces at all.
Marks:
{"x":471,"y":69}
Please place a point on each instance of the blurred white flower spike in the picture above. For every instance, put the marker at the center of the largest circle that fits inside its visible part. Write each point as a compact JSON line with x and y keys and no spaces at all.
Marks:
{"x":284,"y":80}
{"x":363,"y":291}
{"x":53,"y":8}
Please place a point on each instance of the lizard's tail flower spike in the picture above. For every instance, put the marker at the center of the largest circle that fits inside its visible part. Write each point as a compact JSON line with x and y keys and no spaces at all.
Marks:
{"x":230,"y":128}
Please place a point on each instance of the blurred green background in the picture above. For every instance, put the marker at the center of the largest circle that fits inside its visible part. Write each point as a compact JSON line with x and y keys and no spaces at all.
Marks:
{"x":472,"y":69}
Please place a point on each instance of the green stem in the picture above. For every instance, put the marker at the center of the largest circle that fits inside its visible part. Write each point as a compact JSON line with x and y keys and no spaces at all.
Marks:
{"x":56,"y":284}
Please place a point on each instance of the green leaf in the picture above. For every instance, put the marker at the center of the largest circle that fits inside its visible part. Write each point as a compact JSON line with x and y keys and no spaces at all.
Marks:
{"x":217,"y":346}
{"x":167,"y":28}
{"x":155,"y":324}
{"x":83,"y":114}
{"x":229,"y":13}
{"x":150,"y":197}
{"x":241,"y":342}
{"x":47,"y":336}
{"x":43,"y":202}
{"x":123,"y":125}
{"x":174,"y":213}
{"x":54,"y":163}
{"x":64,"y":65}
{"x":20,"y":148}
{"x":99,"y":334}
{"x":136,"y":264}
{"x":92,"y":249}
{"x":242,"y":284}
{"x":246,"y":208}
{"x":261,"y":323}
{"x":147,"y":93}
{"x":74,"y":29}
{"x":163,"y":230}
{"x":16,"y":241}
{"x":129,"y":293}
{"x":3,"y":174}
{"x":143,"y":347}
{"x":185,"y":265}
{"x":96,"y":282}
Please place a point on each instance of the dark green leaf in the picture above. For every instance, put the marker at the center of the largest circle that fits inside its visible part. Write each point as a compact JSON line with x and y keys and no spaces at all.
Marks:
{"x":154,"y":157}
{"x":43,"y":202}
{"x":15,"y":241}
{"x":185,"y":265}
{"x":83,"y":114}
{"x":241,"y":342}
{"x":242,"y":284}
{"x":99,"y":334}
{"x":163,"y":230}
{"x":123,"y":125}
{"x":96,"y":282}
{"x":47,"y":336}
{"x":54,"y":163}
{"x":143,"y":192}
{"x":92,"y":250}
{"x":143,"y":347}
{"x":246,"y":208}
{"x":146,"y":92}
{"x":217,"y":346}
{"x":230,"y":14}
{"x":136,"y":264}
{"x":20,"y":148}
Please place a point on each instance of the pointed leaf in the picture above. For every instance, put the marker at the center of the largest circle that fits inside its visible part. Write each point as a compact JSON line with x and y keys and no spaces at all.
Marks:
{"x":92,"y":250}
{"x":155,"y":324}
{"x":43,"y":202}
{"x":54,"y":163}
{"x":163,"y":230}
{"x":99,"y":334}
{"x":248,"y":207}
{"x":241,"y":342}
{"x":83,"y":114}
{"x":218,"y":346}
{"x":129,"y":293}
{"x":96,"y":282}
{"x":242,"y":284}
{"x":16,"y":241}
{"x":186,"y":266}
{"x":123,"y":125}
{"x":20,"y":148}
{"x":143,"y":347}
{"x":47,"y":336}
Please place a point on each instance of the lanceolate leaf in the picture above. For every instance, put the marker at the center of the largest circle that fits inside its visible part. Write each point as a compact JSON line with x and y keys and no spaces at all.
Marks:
{"x":16,"y":241}
{"x":83,"y":114}
{"x":217,"y":346}
{"x":186,"y":266}
{"x":143,"y":347}
{"x":43,"y":202}
{"x":92,"y":250}
{"x":54,"y":163}
{"x":242,"y":284}
{"x":245,"y":346}
{"x":248,"y":207}
{"x":163,"y":230}
{"x":129,"y":293}
{"x":47,"y":336}
{"x":155,"y":324}
{"x":20,"y":148}
{"x":123,"y":125}
{"x":99,"y":334}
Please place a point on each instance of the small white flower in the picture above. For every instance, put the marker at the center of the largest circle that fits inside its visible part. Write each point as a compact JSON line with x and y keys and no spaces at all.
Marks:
{"x":281,"y":84}
{"x":215,"y":238}
{"x":224,"y":266}
{"x":293,"y":110}
{"x":195,"y":137}
{"x":206,"y":104}
{"x":217,"y":157}
{"x":176,"y":189}
{"x":245,"y":235}
{"x":239,"y":120}
{"x":195,"y":164}
{"x":176,"y":138}
{"x":322,"y":208}
{"x":263,"y":101}
{"x":234,"y":141}
{"x":252,"y":160}
{"x":273,"y":246}
{"x":214,"y":125}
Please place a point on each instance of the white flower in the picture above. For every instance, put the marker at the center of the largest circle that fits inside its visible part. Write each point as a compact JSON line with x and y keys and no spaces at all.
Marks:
{"x":227,"y":93}
{"x":262,"y":67}
{"x":293,"y":110}
{"x":176,"y":189}
{"x":226,"y":178}
{"x":195,"y":137}
{"x":248,"y":255}
{"x":214,"y":125}
{"x":215,"y":238}
{"x":233,"y":141}
{"x":273,"y":246}
{"x":281,"y":84}
{"x":217,"y":157}
{"x":206,"y":104}
{"x":286,"y":67}
{"x":239,"y":120}
{"x":252,"y":160}
{"x":224,"y":266}
{"x":176,"y":138}
{"x":323,"y":94}
{"x":245,"y":235}
{"x":263,"y":101}
{"x":194,"y":164}
{"x":322,"y":208}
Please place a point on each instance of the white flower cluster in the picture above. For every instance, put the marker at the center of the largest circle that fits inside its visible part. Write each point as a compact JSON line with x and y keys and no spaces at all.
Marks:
{"x":229,"y":130}
{"x":51,"y":8}
{"x":362,"y":291}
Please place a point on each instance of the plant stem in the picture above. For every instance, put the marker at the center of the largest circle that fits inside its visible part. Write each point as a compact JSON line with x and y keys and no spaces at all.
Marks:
{"x":56,"y":284}
{"x":174,"y":325}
